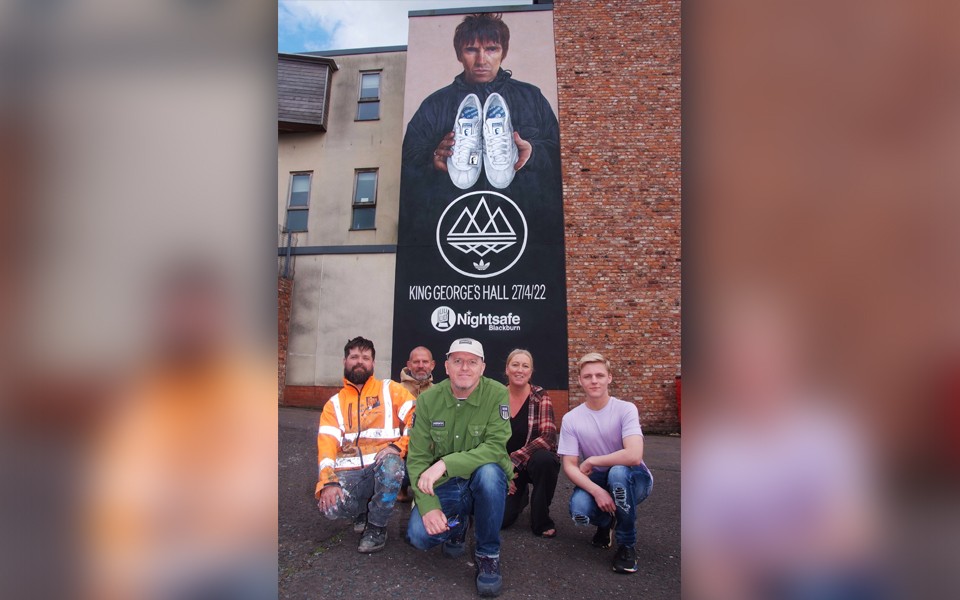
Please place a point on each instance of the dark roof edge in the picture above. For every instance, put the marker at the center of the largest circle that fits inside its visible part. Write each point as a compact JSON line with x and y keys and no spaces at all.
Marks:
{"x":479,"y":9}
{"x":350,"y":51}
{"x":311,"y":59}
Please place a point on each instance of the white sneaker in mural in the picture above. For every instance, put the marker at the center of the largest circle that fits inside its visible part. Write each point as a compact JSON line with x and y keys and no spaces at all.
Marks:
{"x":499,"y":149}
{"x":464,"y":165}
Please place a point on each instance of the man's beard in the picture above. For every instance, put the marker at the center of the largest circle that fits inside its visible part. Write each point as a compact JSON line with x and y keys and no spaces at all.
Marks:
{"x":421,"y":377}
{"x":456,"y":386}
{"x":358,"y":375}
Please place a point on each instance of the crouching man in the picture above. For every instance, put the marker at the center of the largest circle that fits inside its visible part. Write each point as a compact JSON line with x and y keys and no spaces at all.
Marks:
{"x":601,"y":445}
{"x":363,"y":437}
{"x":459,"y":463}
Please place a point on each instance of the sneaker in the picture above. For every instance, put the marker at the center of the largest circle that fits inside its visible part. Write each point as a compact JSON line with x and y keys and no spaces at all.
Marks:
{"x":457,"y":544}
{"x":373,"y":540}
{"x":626,"y":560}
{"x":452,"y":549}
{"x":499,"y":150}
{"x":489,"y":580}
{"x":360,"y":523}
{"x":464,"y":165}
{"x":604,"y":537}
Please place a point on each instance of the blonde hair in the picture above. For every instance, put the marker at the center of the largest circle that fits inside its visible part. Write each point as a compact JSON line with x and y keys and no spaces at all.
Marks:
{"x":517,"y":351}
{"x":592,"y":357}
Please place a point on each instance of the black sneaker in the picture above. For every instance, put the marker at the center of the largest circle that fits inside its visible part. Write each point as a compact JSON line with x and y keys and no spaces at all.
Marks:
{"x":626,"y":560}
{"x":359,"y":523}
{"x":456,"y":545}
{"x":489,"y":580}
{"x":603,"y":538}
{"x":373,"y":539}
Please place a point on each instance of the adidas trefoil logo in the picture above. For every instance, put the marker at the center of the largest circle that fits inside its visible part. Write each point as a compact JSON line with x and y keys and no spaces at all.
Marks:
{"x":481,"y":266}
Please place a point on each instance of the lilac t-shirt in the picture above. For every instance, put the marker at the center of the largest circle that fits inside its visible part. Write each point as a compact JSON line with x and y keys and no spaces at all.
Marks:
{"x":587,"y":433}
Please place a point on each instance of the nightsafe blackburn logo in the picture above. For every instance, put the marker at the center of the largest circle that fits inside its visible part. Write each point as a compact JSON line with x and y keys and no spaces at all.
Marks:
{"x":444,"y":319}
{"x":482,"y":234}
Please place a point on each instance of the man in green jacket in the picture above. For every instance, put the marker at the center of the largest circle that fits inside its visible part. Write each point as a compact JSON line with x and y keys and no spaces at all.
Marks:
{"x":459,"y":462}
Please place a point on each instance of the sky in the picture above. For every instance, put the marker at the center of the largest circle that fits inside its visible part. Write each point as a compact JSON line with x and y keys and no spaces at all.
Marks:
{"x":308,"y":25}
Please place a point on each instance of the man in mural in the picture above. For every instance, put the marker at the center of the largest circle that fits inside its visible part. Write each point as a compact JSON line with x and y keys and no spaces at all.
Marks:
{"x":459,"y":462}
{"x":485,"y":130}
{"x":363,"y":437}
{"x":601,"y":445}
{"x":416,"y":377}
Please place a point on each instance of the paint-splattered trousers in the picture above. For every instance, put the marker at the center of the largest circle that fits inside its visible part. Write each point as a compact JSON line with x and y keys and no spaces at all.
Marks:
{"x":629,"y":486}
{"x":372,"y":490}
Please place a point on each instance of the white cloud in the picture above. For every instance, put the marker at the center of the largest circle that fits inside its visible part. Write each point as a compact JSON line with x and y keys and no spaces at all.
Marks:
{"x":362,"y":24}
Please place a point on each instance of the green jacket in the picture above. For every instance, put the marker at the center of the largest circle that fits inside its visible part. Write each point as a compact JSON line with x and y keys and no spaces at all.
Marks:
{"x":465,"y":437}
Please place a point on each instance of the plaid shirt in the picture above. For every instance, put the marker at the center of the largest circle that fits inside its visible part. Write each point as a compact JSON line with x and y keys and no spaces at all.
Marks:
{"x":541,"y":427}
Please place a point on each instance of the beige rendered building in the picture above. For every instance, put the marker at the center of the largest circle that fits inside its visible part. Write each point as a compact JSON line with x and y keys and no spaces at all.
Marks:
{"x":339,"y":140}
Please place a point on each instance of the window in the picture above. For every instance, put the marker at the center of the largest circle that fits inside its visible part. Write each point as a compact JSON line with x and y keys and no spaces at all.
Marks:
{"x":365,"y":200}
{"x":368,"y":107}
{"x":298,"y":204}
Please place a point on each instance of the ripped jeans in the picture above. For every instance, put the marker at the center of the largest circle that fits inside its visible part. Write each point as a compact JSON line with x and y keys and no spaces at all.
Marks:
{"x":372,"y":490}
{"x":629,"y":486}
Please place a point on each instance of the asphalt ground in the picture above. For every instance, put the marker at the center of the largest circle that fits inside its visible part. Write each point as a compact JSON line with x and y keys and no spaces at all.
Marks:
{"x":318,"y":558}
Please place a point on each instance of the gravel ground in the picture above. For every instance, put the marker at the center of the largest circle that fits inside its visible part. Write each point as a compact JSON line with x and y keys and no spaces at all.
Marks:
{"x":318,"y":558}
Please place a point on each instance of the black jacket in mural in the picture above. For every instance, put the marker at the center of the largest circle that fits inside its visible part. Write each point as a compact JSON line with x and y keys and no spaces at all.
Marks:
{"x":425,"y":192}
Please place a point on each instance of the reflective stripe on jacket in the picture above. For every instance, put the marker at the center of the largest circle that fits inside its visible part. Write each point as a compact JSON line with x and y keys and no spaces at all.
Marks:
{"x":356,"y":423}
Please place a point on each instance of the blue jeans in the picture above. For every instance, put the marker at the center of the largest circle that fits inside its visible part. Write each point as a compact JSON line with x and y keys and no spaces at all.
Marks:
{"x":483,"y":496}
{"x":629,"y":486}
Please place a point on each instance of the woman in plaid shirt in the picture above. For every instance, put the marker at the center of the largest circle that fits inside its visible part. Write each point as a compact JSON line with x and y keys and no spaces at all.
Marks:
{"x":532,"y":447}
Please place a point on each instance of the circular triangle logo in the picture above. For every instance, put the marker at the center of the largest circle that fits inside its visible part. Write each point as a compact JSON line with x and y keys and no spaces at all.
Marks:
{"x":482,"y":234}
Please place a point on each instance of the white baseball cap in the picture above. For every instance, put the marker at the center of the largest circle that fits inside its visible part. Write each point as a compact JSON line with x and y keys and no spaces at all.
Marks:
{"x":466,"y":345}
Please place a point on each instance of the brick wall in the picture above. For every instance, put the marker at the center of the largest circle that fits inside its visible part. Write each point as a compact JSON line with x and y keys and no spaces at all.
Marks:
{"x":284,"y":299}
{"x":618,"y":69}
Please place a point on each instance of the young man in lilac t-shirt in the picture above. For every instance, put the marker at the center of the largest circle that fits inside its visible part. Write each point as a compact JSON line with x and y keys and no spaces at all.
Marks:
{"x":601,"y":444}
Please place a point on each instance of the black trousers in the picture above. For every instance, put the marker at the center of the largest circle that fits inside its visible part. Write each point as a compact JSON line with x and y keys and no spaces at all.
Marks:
{"x":541,"y":472}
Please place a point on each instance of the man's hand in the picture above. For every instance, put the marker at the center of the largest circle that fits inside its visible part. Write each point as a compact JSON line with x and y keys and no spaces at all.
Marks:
{"x":586,"y":467}
{"x":442,"y":152}
{"x":435,"y":522}
{"x":329,"y":498}
{"x":524,"y":151}
{"x":604,"y":501}
{"x":430,"y":476}
{"x":386,"y":451}
{"x":512,"y":486}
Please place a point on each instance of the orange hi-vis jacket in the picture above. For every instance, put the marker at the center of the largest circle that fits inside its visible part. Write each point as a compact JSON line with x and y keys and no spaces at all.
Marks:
{"x":357,"y":423}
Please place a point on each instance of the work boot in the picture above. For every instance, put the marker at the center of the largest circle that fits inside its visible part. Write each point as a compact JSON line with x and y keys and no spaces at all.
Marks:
{"x":626,"y":560}
{"x":359,"y":523}
{"x":489,"y":580}
{"x":373,"y":539}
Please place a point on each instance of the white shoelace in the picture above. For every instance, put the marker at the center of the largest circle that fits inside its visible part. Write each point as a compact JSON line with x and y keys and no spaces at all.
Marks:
{"x":463,"y":147}
{"x":499,"y":148}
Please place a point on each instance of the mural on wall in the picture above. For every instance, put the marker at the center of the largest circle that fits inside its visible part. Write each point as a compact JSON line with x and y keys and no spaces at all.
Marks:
{"x":480,"y":250}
